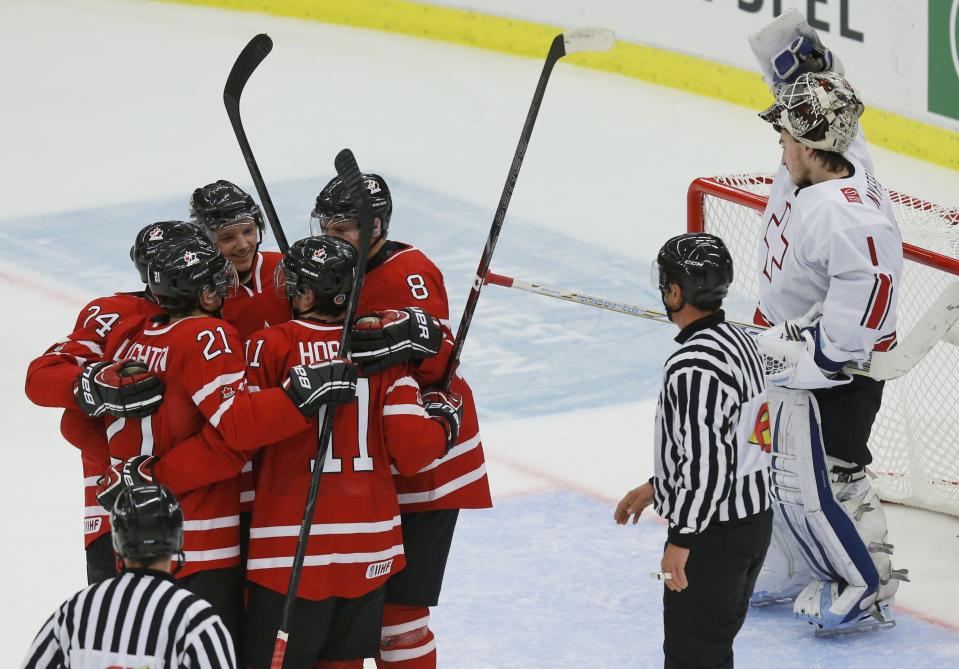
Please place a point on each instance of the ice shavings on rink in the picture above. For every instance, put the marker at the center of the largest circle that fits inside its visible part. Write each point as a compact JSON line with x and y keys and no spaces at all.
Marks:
{"x":549,"y":580}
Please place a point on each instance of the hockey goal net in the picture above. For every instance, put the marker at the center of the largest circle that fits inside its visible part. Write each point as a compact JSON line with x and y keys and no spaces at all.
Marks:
{"x":914,"y":440}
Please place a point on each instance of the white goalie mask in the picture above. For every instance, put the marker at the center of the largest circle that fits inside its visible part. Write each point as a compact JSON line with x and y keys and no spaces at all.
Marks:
{"x":820,"y":110}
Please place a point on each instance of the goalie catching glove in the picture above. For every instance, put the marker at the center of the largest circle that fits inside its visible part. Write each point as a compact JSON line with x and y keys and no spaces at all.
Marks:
{"x":135,"y":471}
{"x":124,"y":389}
{"x":312,"y":386}
{"x":792,"y":356}
{"x":447,"y":409}
{"x":388,"y":338}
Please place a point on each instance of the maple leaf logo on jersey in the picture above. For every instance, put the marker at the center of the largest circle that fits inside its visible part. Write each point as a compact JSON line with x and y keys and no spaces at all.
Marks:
{"x":190,"y":258}
{"x":319,"y":254}
{"x":372,"y":186}
{"x":155,"y":234}
{"x":226,"y":392}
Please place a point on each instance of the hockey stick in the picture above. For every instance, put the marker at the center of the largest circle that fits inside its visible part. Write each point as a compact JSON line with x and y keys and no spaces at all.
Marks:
{"x":937,"y":324}
{"x":571,"y":41}
{"x":246,"y":63}
{"x":349,"y":171}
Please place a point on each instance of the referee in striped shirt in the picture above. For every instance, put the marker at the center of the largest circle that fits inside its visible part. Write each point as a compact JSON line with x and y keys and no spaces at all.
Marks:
{"x":711,"y":479}
{"x":139,"y":618}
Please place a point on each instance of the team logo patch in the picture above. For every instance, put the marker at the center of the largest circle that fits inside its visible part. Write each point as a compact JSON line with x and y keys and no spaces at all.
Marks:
{"x":377,"y":569}
{"x":762,"y":435}
{"x":226,"y":392}
{"x":190,"y":258}
{"x":319,"y":254}
{"x":372,"y":186}
{"x":852,"y":195}
{"x":155,"y":234}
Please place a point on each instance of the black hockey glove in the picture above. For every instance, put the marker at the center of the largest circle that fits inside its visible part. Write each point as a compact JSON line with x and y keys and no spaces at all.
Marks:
{"x":447,"y":409}
{"x":312,"y":386}
{"x":124,"y":389}
{"x":388,"y":338}
{"x":135,"y":471}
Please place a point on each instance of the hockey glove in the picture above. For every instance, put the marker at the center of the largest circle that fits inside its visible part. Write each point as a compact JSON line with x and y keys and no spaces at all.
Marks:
{"x":137,"y":470}
{"x":312,"y":386}
{"x":392,"y":337}
{"x":804,"y":54}
{"x":447,"y":409}
{"x":124,"y":389}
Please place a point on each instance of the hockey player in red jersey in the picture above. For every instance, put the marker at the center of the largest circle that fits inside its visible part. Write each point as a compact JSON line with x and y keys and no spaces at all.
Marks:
{"x":200,"y":359}
{"x":356,"y":539}
{"x":406,"y":291}
{"x":53,"y":377}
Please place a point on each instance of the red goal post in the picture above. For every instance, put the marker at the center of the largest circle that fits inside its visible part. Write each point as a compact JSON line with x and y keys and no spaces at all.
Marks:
{"x":915,"y":440}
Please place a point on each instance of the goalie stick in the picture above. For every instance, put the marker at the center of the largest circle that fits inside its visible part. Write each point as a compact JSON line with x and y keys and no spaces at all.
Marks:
{"x":349,"y":171}
{"x":571,"y":41}
{"x":937,"y":324}
{"x":246,"y":63}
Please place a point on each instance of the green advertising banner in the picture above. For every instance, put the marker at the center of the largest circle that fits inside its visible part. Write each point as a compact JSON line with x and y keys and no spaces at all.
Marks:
{"x":944,"y":57}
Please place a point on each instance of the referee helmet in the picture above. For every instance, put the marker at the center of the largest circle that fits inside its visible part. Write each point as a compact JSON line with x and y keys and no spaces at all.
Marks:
{"x":147,"y":523}
{"x":700,"y":264}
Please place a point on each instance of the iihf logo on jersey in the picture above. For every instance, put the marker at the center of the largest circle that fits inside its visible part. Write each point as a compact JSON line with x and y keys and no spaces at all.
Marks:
{"x":155,"y":234}
{"x":190,"y":258}
{"x":372,"y":186}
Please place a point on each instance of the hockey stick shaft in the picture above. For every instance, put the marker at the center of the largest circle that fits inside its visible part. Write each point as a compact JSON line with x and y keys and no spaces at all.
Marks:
{"x":254,"y":53}
{"x":935,"y":325}
{"x":585,"y":39}
{"x":349,"y":171}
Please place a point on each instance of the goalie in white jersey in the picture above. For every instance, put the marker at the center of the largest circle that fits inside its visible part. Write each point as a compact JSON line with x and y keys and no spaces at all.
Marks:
{"x":831,"y":262}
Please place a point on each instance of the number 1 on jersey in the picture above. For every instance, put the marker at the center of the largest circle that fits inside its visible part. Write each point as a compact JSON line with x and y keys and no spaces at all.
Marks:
{"x":363,"y":462}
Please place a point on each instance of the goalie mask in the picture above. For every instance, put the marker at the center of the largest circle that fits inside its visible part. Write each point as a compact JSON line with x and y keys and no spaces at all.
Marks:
{"x":323,"y":265}
{"x":700,"y":264}
{"x":820,"y":110}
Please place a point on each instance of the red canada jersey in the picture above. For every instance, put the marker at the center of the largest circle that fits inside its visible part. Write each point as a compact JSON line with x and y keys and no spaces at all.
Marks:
{"x":401,"y":276}
{"x":356,"y":542}
{"x":50,"y":380}
{"x":256,"y":304}
{"x":200,"y":360}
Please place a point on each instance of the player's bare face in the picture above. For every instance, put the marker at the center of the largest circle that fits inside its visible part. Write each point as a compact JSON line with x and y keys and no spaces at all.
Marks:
{"x":795,"y":159}
{"x":238,"y":243}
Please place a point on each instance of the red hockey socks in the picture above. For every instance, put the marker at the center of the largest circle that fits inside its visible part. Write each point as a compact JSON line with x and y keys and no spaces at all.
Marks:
{"x":406,"y":641}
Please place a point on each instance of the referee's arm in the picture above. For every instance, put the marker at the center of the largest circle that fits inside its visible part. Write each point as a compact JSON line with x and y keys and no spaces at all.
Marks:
{"x":706,"y":455}
{"x":45,"y":651}
{"x":209,"y":646}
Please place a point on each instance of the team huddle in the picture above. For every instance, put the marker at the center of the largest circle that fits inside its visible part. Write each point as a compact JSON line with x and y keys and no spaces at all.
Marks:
{"x":196,"y":405}
{"x":213,"y":380}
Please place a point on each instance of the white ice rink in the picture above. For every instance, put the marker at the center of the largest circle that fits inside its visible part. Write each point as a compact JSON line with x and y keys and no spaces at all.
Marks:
{"x":112,"y":113}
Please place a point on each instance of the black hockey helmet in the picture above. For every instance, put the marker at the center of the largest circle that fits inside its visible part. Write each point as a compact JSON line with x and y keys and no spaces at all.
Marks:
{"x":147,"y":523}
{"x":222,"y":204}
{"x":700,"y":264}
{"x":324,"y":265}
{"x":334,"y":203}
{"x":154,"y":237}
{"x":182,"y":269}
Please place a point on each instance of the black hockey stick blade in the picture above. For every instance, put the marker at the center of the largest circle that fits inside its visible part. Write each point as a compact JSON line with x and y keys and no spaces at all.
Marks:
{"x":254,"y":53}
{"x":569,"y":42}
{"x":349,"y":171}
{"x":246,"y":63}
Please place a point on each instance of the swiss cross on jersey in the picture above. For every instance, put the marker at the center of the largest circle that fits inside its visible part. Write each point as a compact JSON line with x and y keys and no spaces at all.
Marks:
{"x":775,"y":241}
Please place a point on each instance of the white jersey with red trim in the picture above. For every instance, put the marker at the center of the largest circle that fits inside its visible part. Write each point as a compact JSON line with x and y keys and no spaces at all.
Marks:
{"x":356,"y":542}
{"x":401,"y":276}
{"x":836,"y":242}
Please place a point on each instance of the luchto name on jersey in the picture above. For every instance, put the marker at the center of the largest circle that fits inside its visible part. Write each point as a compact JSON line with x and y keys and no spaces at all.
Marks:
{"x":154,"y":357}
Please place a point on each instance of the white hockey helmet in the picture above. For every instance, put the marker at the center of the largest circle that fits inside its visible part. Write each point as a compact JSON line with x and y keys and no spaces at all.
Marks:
{"x":819,"y":109}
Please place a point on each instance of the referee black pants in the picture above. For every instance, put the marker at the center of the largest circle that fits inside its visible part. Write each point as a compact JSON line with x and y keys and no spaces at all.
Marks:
{"x":701,"y":622}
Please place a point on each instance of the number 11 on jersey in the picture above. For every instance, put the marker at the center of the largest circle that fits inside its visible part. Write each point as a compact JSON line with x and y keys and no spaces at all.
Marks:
{"x":363,"y":462}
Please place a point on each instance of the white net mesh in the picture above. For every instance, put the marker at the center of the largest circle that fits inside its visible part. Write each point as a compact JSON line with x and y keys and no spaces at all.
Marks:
{"x":914,"y":439}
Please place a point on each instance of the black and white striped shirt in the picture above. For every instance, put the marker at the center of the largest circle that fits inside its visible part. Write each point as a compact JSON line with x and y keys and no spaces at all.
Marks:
{"x":712,"y":435}
{"x":140,"y":618}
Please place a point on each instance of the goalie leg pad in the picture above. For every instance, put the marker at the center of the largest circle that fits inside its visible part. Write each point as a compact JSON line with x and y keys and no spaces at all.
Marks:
{"x":824,"y":530}
{"x":785,"y":572}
